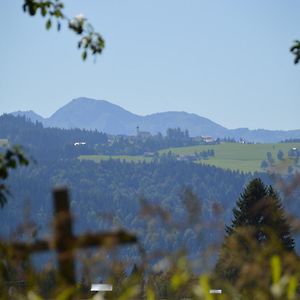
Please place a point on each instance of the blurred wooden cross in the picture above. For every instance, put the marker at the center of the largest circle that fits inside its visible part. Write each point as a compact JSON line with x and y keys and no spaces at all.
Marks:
{"x":65,"y":242}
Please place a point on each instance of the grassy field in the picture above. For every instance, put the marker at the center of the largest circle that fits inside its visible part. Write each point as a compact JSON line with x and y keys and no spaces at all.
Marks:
{"x":98,"y":158}
{"x":243,"y":157}
{"x":233,"y":156}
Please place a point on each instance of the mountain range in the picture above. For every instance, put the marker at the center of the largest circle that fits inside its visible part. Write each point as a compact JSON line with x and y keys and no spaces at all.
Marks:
{"x":104,"y":116}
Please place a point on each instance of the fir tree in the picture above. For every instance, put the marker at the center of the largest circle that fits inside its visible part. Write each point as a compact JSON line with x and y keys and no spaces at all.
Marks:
{"x":258,"y":224}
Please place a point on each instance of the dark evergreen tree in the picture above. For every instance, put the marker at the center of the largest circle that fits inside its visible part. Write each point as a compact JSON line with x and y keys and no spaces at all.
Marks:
{"x":264,"y":164}
{"x":270,"y":158}
{"x":259,"y":223}
{"x":280,"y":155}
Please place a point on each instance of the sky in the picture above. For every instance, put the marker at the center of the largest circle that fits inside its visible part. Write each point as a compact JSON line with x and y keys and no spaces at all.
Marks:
{"x":228,"y":60}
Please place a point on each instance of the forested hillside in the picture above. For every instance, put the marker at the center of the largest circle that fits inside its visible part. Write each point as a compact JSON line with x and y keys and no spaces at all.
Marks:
{"x":108,"y":194}
{"x":45,"y":143}
{"x":116,"y":188}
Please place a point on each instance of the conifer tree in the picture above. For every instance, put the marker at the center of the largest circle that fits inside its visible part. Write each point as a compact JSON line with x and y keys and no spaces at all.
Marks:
{"x":259,"y":226}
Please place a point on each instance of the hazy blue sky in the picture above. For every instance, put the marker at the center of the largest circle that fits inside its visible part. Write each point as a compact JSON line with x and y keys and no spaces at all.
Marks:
{"x":225,"y":60}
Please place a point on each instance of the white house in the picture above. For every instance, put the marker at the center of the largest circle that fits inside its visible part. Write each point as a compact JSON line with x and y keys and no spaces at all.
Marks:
{"x":207,"y":139}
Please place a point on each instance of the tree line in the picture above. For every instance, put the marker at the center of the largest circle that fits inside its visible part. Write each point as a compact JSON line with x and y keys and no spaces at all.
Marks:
{"x":45,"y":143}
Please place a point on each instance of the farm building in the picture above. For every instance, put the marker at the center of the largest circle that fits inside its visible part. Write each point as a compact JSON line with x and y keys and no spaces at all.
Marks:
{"x":207,"y":139}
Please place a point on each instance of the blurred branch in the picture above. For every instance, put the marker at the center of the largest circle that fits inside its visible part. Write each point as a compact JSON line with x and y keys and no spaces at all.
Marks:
{"x":90,"y":41}
{"x":9,"y":160}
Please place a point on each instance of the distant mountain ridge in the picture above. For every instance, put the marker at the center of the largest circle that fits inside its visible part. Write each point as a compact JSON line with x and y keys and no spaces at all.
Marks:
{"x":29,"y":114}
{"x":86,"y":113}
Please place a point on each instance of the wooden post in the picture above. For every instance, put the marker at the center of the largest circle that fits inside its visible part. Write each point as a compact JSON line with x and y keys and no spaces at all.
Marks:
{"x":63,"y":236}
{"x":64,"y":242}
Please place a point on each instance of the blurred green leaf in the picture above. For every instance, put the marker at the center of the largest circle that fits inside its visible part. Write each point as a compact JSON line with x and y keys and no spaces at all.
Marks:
{"x":84,"y":55}
{"x":295,"y":49}
{"x":204,"y":284}
{"x":276,"y":268}
{"x":48,"y":24}
{"x":292,"y":288}
{"x":150,"y":294}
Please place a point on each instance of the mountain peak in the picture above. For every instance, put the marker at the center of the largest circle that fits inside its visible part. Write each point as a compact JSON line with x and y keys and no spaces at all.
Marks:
{"x":88,"y":113}
{"x":86,"y":100}
{"x":91,"y":103}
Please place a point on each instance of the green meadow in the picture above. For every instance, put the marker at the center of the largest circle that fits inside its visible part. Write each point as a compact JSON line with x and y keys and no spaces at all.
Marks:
{"x":243,"y":157}
{"x":128,"y":158}
{"x":233,"y":156}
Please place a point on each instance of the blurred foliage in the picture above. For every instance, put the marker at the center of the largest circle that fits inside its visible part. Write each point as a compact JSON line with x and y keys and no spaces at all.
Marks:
{"x":265,"y":271}
{"x":9,"y":160}
{"x":90,"y":41}
{"x":295,"y":49}
{"x":265,"y":279}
